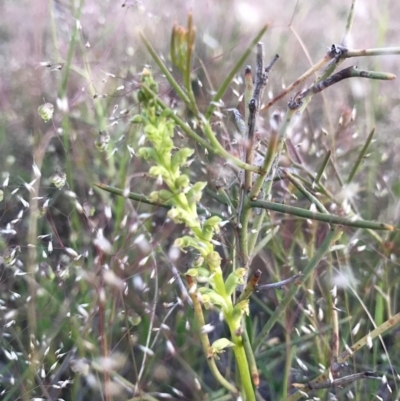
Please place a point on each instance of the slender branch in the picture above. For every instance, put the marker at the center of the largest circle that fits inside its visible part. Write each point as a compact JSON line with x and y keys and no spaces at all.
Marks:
{"x":143,"y":199}
{"x":306,"y":214}
{"x":219,"y":150}
{"x":349,"y":72}
{"x":130,"y":195}
{"x":335,"y":60}
{"x":383,"y":51}
{"x":298,"y":81}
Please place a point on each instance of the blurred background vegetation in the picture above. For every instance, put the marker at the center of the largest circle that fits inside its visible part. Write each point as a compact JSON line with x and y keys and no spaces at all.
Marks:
{"x":87,"y":287}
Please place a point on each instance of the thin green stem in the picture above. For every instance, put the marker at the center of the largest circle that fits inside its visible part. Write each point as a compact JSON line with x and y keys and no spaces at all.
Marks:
{"x":274,"y":150}
{"x":236,"y":68}
{"x":320,"y":207}
{"x":221,"y":151}
{"x":349,"y":23}
{"x":198,"y":312}
{"x":383,"y":51}
{"x":361,"y":156}
{"x":327,"y":218}
{"x":323,"y":167}
{"x":244,"y":213}
{"x":256,"y":227}
{"x":264,"y":240}
{"x":165,"y":71}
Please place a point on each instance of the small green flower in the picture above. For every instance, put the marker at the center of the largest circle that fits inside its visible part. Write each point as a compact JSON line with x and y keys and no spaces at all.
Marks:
{"x":190,"y":242}
{"x":211,"y":298}
{"x":210,"y":227}
{"x":218,"y":347}
{"x":161,"y":196}
{"x":235,"y":279}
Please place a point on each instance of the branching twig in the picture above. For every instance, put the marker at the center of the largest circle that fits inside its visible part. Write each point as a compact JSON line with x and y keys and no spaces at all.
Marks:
{"x":254,"y":106}
{"x":349,"y":72}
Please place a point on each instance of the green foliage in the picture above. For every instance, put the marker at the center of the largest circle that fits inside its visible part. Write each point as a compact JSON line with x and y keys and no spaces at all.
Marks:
{"x":138,"y":211}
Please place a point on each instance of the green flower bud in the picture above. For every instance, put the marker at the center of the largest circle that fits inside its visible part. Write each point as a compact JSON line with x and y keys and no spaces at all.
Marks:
{"x":137,"y":119}
{"x":192,"y":272}
{"x":195,"y":193}
{"x":180,"y":216}
{"x":147,"y":153}
{"x":135,"y":319}
{"x":213,"y":261}
{"x":204,"y":273}
{"x":58,"y":179}
{"x":156,"y":171}
{"x":190,"y":242}
{"x":46,"y":112}
{"x":180,"y":157}
{"x":210,"y":226}
{"x":215,"y":299}
{"x":240,"y":309}
{"x":182,"y":181}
